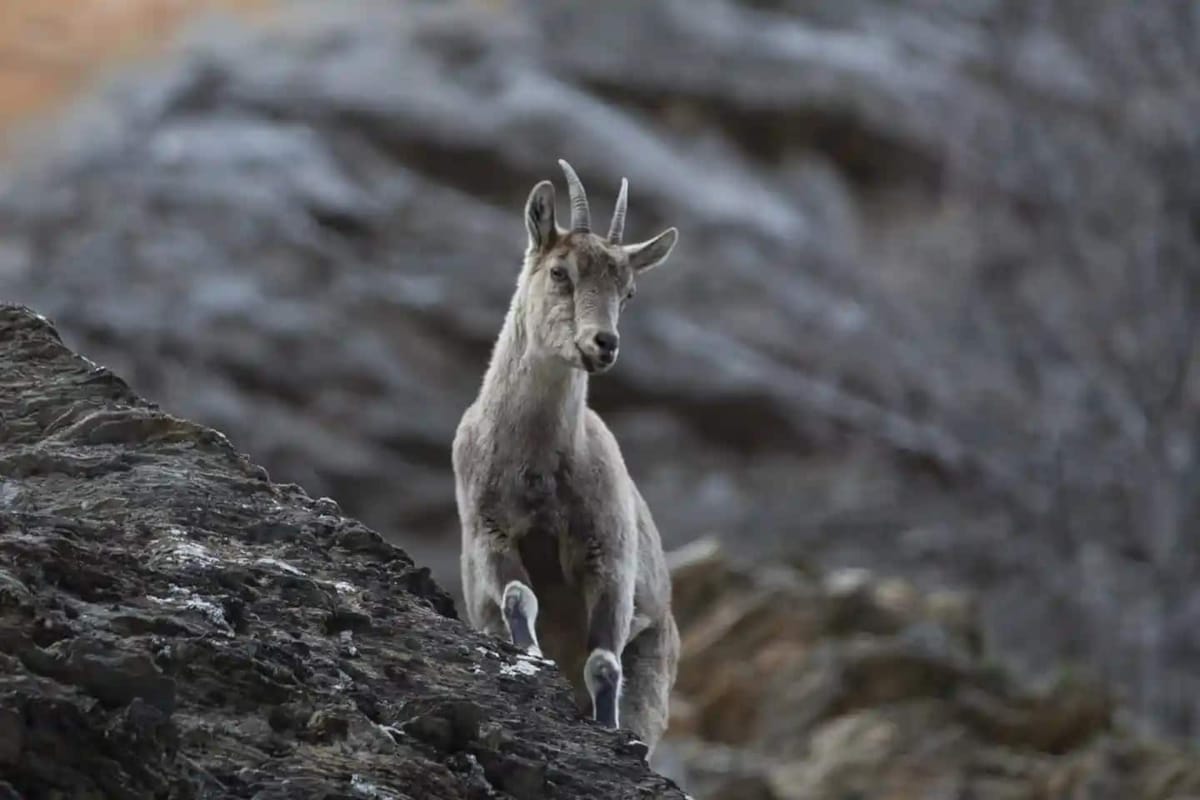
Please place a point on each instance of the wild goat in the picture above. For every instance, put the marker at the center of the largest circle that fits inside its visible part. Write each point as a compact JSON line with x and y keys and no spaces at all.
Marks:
{"x":550,"y":518}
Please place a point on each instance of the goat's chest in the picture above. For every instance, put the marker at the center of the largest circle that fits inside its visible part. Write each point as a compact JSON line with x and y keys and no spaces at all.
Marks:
{"x":539,"y":498}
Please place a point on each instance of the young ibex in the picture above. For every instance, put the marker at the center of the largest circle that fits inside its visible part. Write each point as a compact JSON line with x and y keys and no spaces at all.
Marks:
{"x":550,"y":518}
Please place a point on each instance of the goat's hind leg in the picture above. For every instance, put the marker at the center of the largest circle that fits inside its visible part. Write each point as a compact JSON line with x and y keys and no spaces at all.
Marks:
{"x":650,"y":661}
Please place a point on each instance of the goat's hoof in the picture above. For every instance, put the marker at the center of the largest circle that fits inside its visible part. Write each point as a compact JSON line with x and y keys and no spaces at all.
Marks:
{"x":520,"y":607}
{"x":602,"y":674}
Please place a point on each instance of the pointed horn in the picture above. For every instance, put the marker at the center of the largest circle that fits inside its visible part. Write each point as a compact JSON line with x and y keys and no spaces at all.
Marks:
{"x":617,"y":230}
{"x":581,"y":217}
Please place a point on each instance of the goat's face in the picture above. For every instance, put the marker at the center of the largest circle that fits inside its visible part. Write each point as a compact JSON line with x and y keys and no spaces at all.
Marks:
{"x":578,"y":282}
{"x":576,"y":292}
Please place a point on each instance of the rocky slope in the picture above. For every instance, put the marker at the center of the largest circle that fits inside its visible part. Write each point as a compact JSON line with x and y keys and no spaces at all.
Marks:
{"x":174,"y":624}
{"x":934,"y":309}
{"x":800,"y":686}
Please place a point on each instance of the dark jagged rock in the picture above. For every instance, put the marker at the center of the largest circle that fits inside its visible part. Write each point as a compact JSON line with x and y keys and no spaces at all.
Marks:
{"x":174,"y":624}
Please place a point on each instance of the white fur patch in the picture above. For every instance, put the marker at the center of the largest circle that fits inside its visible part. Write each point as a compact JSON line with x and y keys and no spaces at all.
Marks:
{"x":527,"y":604}
{"x":598,"y":663}
{"x":527,"y":601}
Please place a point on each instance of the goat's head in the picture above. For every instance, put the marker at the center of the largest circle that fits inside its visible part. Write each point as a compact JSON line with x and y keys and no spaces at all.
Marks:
{"x":578,"y":282}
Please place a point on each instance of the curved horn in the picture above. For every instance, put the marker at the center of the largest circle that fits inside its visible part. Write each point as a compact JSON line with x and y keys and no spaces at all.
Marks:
{"x":617,"y":230}
{"x":581,"y":217}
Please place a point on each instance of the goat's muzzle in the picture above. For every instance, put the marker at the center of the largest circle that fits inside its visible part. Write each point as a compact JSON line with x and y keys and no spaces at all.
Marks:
{"x":598,"y":351}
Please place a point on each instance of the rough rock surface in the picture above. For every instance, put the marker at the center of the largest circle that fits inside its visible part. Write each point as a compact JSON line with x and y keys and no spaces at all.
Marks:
{"x":796,"y":685}
{"x":173,"y":624}
{"x":934,"y":309}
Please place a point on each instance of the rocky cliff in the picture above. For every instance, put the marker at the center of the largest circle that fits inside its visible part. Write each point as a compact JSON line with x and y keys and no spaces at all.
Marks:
{"x":173,"y":624}
{"x":799,"y":685}
{"x":934,"y":310}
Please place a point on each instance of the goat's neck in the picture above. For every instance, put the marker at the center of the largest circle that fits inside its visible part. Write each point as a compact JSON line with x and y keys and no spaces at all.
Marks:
{"x":535,"y":400}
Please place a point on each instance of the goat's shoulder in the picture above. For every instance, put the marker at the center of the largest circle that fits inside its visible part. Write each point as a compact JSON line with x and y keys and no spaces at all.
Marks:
{"x":469,"y":439}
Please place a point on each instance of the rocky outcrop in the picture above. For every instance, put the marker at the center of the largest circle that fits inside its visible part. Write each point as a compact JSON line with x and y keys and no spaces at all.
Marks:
{"x":801,"y":686}
{"x":933,"y":310}
{"x":174,"y":624}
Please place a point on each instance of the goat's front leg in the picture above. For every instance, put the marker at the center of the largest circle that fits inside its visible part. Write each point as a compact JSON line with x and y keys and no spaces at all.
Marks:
{"x":610,"y":613}
{"x":502,"y":585}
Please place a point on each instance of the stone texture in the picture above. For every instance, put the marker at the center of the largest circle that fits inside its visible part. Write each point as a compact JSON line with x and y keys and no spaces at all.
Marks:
{"x":173,"y":624}
{"x":796,"y":686}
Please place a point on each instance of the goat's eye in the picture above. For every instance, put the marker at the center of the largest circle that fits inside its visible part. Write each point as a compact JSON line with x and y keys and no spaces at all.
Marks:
{"x":559,"y":273}
{"x":629,"y":294}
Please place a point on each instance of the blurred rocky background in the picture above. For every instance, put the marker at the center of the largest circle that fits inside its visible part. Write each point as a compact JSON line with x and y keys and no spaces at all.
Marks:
{"x":801,"y":685}
{"x":935,"y":311}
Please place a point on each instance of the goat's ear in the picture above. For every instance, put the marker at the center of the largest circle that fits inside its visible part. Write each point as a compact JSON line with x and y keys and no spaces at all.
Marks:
{"x":647,"y":255}
{"x":539,"y":216}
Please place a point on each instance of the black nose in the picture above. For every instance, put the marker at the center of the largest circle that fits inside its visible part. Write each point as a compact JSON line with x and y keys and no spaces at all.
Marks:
{"x":607,"y":343}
